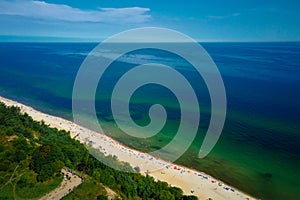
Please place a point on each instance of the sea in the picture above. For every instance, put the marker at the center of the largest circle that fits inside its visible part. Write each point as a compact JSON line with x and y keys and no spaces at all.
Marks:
{"x":259,"y":149}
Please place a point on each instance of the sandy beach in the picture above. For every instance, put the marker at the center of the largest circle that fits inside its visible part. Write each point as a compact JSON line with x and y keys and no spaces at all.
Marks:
{"x":190,"y":181}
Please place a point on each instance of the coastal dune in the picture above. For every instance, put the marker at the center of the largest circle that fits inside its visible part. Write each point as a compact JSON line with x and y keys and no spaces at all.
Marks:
{"x":192,"y":182}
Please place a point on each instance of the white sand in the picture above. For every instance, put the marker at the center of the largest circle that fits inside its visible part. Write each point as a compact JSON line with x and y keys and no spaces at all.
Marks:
{"x":203,"y":185}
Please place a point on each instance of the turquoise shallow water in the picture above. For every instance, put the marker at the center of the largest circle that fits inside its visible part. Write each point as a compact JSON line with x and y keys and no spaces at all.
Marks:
{"x":258,"y":151}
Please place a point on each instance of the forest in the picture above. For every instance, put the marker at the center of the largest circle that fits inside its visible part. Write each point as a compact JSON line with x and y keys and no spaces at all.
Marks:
{"x":32,"y":155}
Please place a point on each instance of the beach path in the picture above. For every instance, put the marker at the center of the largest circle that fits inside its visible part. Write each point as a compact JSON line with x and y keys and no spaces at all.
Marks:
{"x":66,"y":186}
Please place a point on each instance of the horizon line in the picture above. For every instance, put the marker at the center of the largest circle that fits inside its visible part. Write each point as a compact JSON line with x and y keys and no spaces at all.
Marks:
{"x":54,"y":39}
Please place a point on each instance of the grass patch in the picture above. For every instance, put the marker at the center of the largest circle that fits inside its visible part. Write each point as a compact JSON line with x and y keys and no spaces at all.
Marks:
{"x":39,"y":189}
{"x":7,"y":193}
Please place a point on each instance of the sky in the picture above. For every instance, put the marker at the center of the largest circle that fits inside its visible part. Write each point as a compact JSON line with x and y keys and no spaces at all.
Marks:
{"x":203,"y":20}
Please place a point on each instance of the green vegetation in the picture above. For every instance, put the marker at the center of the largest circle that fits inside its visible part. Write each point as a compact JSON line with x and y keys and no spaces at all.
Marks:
{"x":18,"y":142}
{"x":32,"y":155}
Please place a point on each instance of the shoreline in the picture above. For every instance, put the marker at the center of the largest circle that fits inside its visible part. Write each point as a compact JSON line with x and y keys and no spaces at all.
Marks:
{"x":203,"y":185}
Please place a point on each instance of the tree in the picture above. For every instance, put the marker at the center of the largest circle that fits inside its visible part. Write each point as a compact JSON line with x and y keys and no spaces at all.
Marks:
{"x":102,"y":197}
{"x":21,"y":144}
{"x":47,"y":160}
{"x":20,"y":155}
{"x":189,"y":198}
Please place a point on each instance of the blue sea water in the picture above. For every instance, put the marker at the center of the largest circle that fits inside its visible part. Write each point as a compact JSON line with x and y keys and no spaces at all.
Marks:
{"x":258,"y":151}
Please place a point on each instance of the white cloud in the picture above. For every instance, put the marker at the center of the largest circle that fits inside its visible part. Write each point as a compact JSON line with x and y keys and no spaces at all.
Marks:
{"x":223,"y":16}
{"x":48,"y":11}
